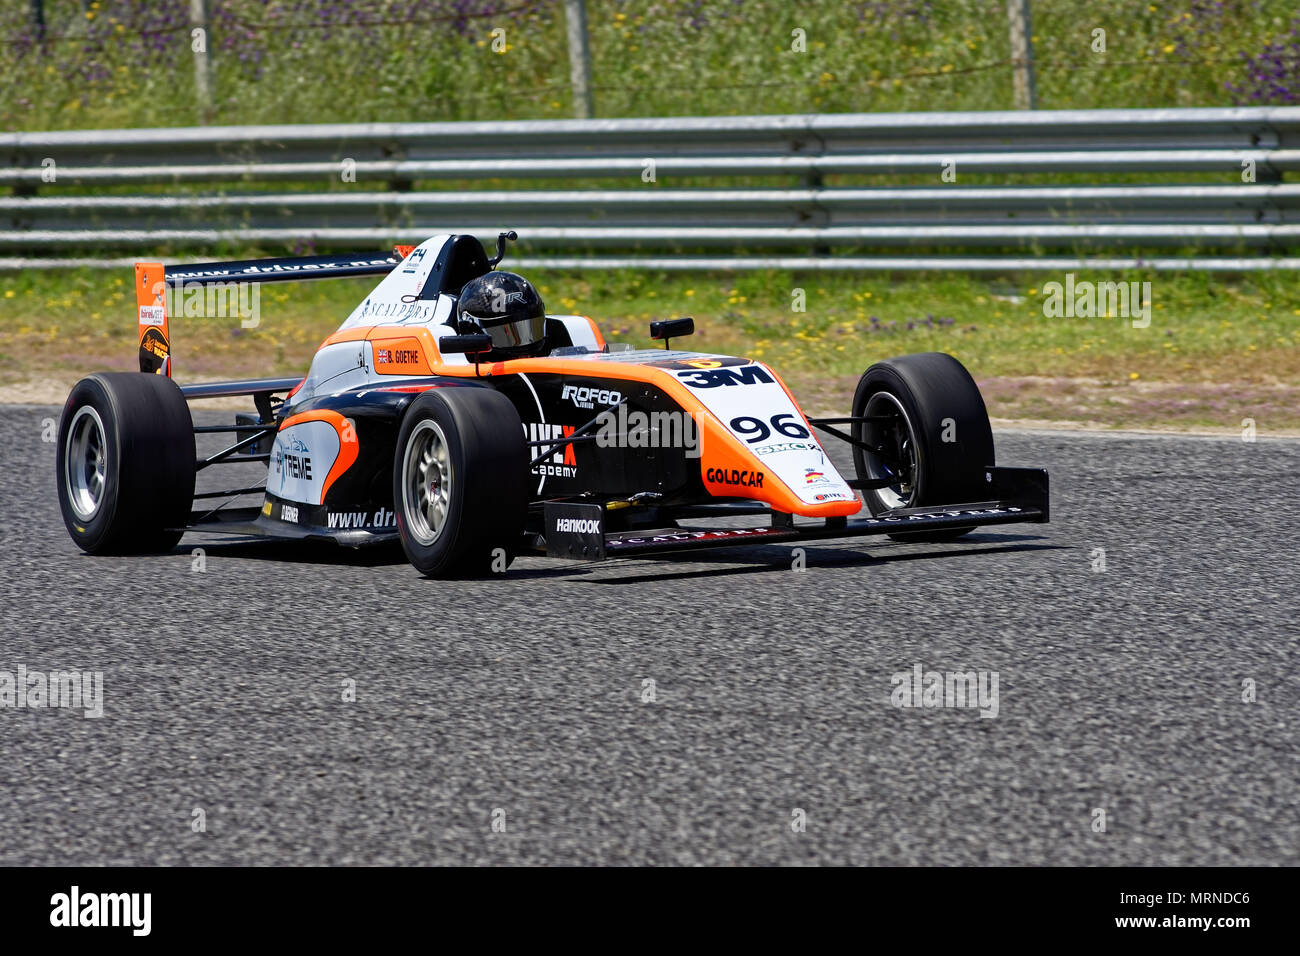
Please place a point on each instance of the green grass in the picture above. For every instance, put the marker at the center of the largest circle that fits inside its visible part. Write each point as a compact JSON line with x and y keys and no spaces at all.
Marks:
{"x":1217,"y":349}
{"x":649,"y":59}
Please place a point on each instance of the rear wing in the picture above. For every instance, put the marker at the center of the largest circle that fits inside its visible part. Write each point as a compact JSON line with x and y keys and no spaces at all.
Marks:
{"x":153,"y":279}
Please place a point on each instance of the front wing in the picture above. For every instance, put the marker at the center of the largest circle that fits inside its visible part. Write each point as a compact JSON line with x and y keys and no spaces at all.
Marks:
{"x":576,"y":530}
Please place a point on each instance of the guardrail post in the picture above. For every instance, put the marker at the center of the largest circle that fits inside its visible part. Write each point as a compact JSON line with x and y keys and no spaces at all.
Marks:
{"x":199,"y":41}
{"x":575,"y":15}
{"x":38,"y":21}
{"x":1022,"y":54}
{"x":813,"y":181}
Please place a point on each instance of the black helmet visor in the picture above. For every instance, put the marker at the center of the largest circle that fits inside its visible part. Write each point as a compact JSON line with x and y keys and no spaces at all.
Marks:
{"x":512,"y":334}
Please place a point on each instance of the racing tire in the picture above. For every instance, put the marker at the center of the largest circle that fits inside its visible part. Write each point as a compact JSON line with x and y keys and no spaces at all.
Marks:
{"x":460,"y":482}
{"x":936,"y":440}
{"x":126,"y":463}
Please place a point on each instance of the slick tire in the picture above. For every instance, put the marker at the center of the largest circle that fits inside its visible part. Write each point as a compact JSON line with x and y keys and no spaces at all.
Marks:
{"x":935,"y":436}
{"x":125,"y":468}
{"x":460,"y":482}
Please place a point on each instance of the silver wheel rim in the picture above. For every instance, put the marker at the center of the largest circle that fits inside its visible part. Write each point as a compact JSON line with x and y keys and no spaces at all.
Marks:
{"x":85,"y":463}
{"x":426,"y":482}
{"x":900,"y":438}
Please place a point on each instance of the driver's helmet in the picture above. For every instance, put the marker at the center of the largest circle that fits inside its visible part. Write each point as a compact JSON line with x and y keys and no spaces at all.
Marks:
{"x":506,"y":307}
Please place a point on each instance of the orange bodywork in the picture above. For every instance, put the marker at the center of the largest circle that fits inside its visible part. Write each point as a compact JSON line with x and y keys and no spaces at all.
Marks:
{"x":400,"y":356}
{"x":720,"y":451}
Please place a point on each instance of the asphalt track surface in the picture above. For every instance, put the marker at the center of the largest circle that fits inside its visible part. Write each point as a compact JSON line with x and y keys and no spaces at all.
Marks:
{"x":520,"y":698}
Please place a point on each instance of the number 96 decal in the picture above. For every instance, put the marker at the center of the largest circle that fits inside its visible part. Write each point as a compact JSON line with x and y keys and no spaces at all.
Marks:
{"x":755,"y":430}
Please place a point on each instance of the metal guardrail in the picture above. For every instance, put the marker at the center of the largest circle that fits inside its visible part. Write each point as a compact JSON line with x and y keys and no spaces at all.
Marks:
{"x":251,"y":208}
{"x":1001,"y":263}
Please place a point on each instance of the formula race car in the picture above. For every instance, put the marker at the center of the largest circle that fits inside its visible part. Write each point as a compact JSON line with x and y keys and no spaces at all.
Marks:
{"x":450,"y":411}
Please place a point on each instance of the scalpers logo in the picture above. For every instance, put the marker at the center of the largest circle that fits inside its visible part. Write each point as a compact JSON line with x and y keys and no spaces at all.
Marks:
{"x":295,"y":462}
{"x":396,"y":311}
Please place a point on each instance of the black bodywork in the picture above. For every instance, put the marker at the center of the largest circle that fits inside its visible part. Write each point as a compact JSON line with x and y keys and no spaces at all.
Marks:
{"x":637,"y":496}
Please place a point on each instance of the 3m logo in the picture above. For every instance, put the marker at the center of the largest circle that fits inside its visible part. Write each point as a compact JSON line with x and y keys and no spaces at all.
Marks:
{"x":716,"y":377}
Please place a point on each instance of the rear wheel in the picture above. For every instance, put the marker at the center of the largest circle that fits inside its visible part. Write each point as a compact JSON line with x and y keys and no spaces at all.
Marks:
{"x":928,"y":433}
{"x":460,"y":481}
{"x":126,"y":463}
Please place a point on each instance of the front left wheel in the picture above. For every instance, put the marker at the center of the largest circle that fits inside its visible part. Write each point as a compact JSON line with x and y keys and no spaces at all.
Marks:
{"x":460,"y":482}
{"x":925,"y":439}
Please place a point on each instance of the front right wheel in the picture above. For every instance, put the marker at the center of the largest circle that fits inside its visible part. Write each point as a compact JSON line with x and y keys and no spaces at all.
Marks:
{"x":460,"y":481}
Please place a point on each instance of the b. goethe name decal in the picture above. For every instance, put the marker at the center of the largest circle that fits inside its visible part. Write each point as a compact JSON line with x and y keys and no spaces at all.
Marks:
{"x":75,"y":909}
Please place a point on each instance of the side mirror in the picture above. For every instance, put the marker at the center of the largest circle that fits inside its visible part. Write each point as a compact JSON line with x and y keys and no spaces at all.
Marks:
{"x":501,"y":246}
{"x":671,"y":328}
{"x":465,"y":344}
